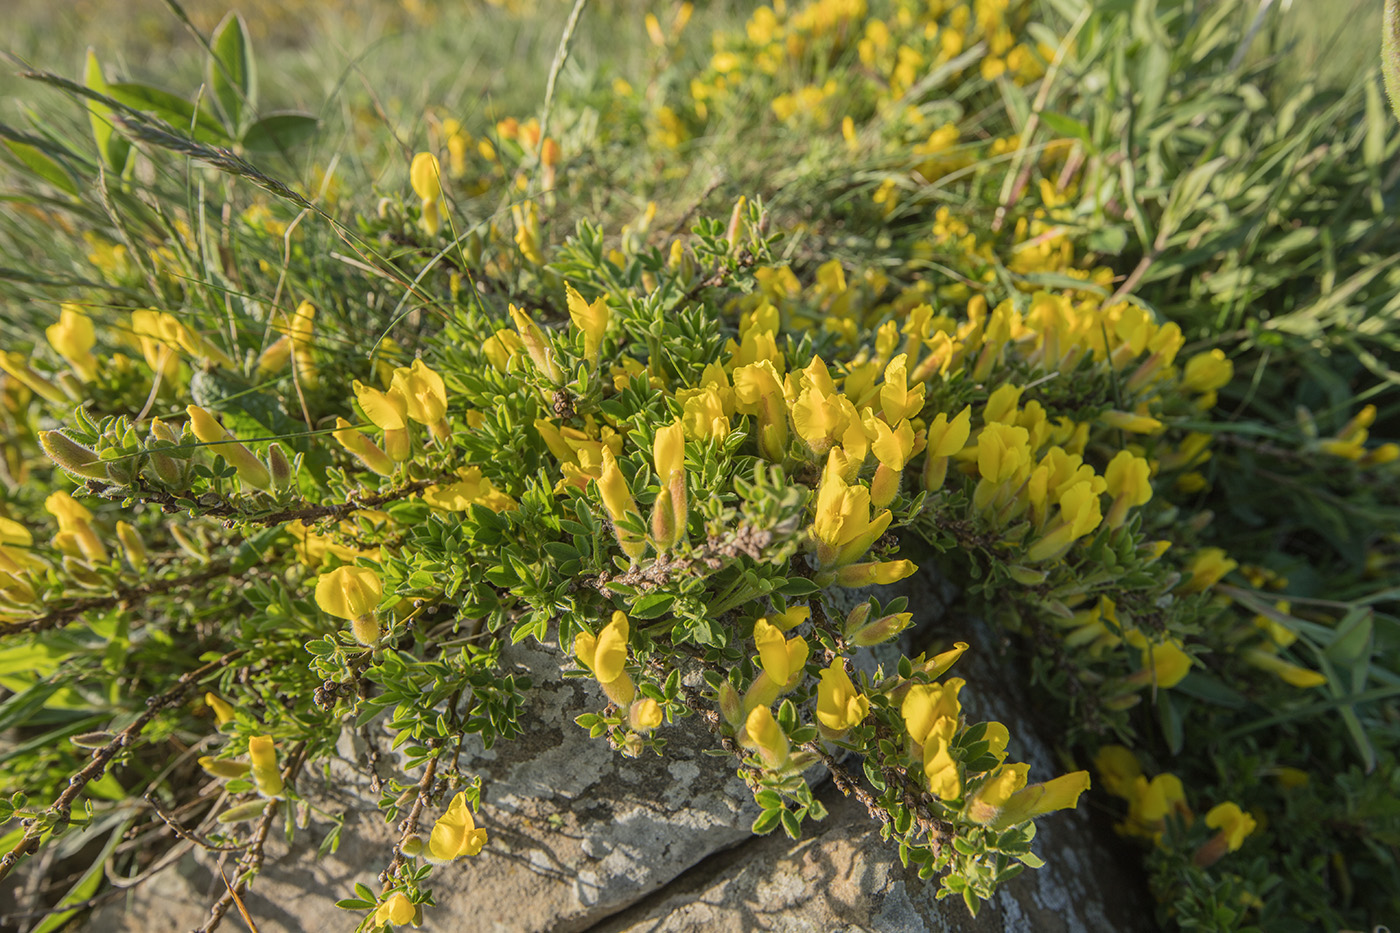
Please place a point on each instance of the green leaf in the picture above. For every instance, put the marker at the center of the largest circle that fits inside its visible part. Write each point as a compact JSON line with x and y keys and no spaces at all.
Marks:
{"x":114,"y":149}
{"x":767,"y":822}
{"x":173,"y":109}
{"x":43,"y":165}
{"x":232,"y":76}
{"x":279,"y":132}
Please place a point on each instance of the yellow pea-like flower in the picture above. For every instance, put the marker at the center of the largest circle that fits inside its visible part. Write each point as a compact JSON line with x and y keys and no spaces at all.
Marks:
{"x":73,"y":337}
{"x":840,"y":707}
{"x":591,"y":319}
{"x":397,"y":909}
{"x":263,"y":754}
{"x":617,"y":499}
{"x":456,"y":834}
{"x":424,"y":396}
{"x":352,"y":593}
{"x":426,"y":177}
{"x":763,"y":734}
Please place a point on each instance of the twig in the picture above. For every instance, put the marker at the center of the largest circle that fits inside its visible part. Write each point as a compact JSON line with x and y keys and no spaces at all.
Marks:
{"x":409,"y":826}
{"x":305,"y":513}
{"x":56,"y":816}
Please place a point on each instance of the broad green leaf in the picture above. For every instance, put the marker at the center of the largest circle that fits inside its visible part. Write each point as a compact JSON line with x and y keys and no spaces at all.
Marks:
{"x":171,"y":108}
{"x":114,"y":149}
{"x":279,"y":132}
{"x":43,"y":165}
{"x":232,"y":76}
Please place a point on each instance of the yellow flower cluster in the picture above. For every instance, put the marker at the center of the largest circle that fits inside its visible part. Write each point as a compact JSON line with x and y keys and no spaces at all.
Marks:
{"x":896,"y":42}
{"x":1152,"y":801}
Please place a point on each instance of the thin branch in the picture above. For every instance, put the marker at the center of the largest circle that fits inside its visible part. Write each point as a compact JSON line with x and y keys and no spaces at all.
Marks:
{"x":304,"y":512}
{"x":56,"y":817}
{"x":409,"y":827}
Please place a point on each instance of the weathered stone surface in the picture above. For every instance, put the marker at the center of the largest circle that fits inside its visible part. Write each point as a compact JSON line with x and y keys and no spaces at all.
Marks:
{"x":577,"y":831}
{"x":582,"y":838}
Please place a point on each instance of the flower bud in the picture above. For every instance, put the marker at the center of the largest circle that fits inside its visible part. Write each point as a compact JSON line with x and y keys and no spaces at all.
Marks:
{"x":368,"y":452}
{"x":133,"y":548}
{"x":208,"y":430}
{"x":223,"y":712}
{"x":71,"y":456}
{"x":881,"y":630}
{"x":280,"y":468}
{"x":730,"y":705}
{"x":92,"y":739}
{"x":412,"y":846}
{"x":244,"y":812}
{"x":224,"y":768}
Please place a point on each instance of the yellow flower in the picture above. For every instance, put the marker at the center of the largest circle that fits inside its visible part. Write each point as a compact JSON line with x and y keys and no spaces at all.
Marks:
{"x":1079,"y":515}
{"x":1062,"y":793}
{"x":1291,"y":674}
{"x":1206,"y":568}
{"x":1118,"y":769}
{"x":209,"y":431}
{"x":396,"y":909}
{"x":842,"y":526}
{"x":879,"y":573}
{"x":839,"y":706}
{"x":352,"y":593}
{"x":940,"y":769}
{"x":1004,"y":782}
{"x":500,"y":347}
{"x":1150,"y":802}
{"x":617,"y":499}
{"x":591,"y":320}
{"x":757,"y":391}
{"x":349,"y":592}
{"x":763,"y":733}
{"x":1129,"y":483}
{"x":1206,"y":372}
{"x":367,"y":451}
{"x":74,"y":519}
{"x":223,"y":712}
{"x":455,"y":834}
{"x":73,"y":337}
{"x":897,"y":401}
{"x":424,"y":396}
{"x":386,"y":410}
{"x":1164,"y":663}
{"x":945,"y":438}
{"x":782,"y":658}
{"x":929,"y":708}
{"x":536,"y":345}
{"x":644,"y":715}
{"x":263,"y":753}
{"x":471,"y":488}
{"x":1234,"y":824}
{"x":1131,"y":423}
{"x":425,"y":176}
{"x":606,"y":657}
{"x":669,"y":513}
